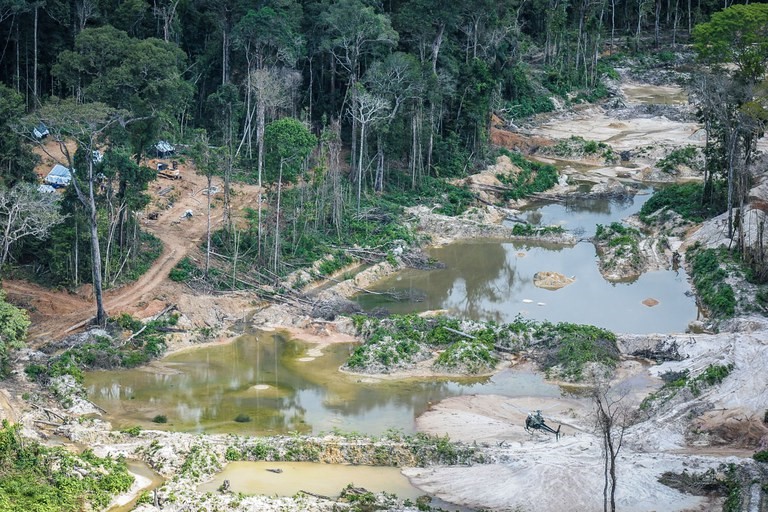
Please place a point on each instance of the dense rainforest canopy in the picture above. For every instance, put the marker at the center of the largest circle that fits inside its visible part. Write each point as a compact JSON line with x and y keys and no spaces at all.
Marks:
{"x":379,"y":99}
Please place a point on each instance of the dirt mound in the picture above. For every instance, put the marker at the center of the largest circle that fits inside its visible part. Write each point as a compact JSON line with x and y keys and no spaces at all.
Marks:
{"x":504,"y":138}
{"x":551,"y":280}
{"x":735,"y":428}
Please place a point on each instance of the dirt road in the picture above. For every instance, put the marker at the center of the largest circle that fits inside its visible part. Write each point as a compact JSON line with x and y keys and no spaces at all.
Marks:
{"x":57,"y":313}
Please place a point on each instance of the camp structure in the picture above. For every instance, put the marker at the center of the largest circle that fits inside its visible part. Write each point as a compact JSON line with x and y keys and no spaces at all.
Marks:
{"x":40,"y":131}
{"x":45,"y":189}
{"x":59,"y":176}
{"x":164,"y":149}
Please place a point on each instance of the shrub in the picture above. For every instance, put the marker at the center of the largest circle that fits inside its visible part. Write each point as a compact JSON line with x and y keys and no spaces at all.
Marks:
{"x":681,"y":156}
{"x":710,"y":282}
{"x":534,"y":177}
{"x":686,"y":199}
{"x":41,"y":479}
{"x":183,"y":271}
{"x":160,"y":418}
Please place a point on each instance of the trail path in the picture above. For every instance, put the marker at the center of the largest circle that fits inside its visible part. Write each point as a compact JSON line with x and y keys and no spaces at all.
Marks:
{"x":57,"y":313}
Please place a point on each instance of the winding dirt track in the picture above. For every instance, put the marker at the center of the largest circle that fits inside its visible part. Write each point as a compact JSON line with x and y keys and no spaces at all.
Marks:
{"x":55,"y":314}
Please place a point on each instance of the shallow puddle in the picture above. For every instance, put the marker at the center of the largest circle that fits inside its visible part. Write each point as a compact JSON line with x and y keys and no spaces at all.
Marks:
{"x":655,"y":94}
{"x":288,"y":478}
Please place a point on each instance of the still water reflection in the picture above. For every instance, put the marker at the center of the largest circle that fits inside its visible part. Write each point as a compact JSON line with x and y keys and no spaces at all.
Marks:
{"x":491,"y":280}
{"x":263,"y":377}
{"x":494,"y":281}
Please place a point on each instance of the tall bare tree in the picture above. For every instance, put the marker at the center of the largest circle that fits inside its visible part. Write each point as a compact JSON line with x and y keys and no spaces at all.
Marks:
{"x":25,"y":212}
{"x":612,"y":417}
{"x":86,"y":125}
{"x":367,"y":109}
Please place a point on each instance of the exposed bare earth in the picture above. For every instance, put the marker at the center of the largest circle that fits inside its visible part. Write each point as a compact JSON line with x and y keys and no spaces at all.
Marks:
{"x":528,"y":471}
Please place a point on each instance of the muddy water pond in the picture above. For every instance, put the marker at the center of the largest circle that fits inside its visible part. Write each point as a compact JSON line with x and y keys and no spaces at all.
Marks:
{"x":492,"y":280}
{"x":287,"y":478}
{"x":655,"y":94}
{"x":268,"y":382}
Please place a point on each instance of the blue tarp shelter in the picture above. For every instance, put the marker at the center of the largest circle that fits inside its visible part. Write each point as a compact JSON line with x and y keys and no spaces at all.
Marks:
{"x":59,"y":176}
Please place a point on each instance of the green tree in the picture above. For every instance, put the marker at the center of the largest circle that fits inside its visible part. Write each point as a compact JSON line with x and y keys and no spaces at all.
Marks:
{"x":288,"y":143}
{"x":738,"y":35}
{"x":14,"y":323}
{"x":16,"y":161}
{"x":143,"y":76}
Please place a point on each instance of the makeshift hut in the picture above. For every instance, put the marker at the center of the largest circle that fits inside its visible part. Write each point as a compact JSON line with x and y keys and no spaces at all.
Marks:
{"x":164,"y":149}
{"x":59,"y":176}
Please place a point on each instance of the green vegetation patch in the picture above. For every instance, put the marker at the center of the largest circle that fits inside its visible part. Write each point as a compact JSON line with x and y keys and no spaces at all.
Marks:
{"x":471,"y":356}
{"x":147,"y":342}
{"x":677,"y":157}
{"x":709,"y":277}
{"x":619,"y":244}
{"x":470,"y":347}
{"x":529,"y":230}
{"x":533,"y":178}
{"x":453,"y":200}
{"x":14,"y":323}
{"x":40,"y":479}
{"x":674,"y":382}
{"x":576,"y":146}
{"x":570,"y":347}
{"x":684,"y":198}
{"x":401,"y":341}
{"x":184,"y":270}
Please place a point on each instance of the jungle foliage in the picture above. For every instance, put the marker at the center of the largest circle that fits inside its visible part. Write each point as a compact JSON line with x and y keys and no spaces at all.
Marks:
{"x":401,"y":341}
{"x":342,"y":110}
{"x":40,"y":479}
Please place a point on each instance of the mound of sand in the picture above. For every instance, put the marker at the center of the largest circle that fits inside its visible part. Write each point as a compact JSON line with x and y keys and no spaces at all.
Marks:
{"x":551,"y":280}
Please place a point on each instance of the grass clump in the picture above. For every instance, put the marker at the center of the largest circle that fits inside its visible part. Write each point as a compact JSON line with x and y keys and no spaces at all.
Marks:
{"x":160,"y":418}
{"x":40,"y":479}
{"x":184,"y":271}
{"x":242,"y":418}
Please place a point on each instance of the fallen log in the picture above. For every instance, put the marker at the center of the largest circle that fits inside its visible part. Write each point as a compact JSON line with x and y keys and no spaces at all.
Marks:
{"x":460,"y":333}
